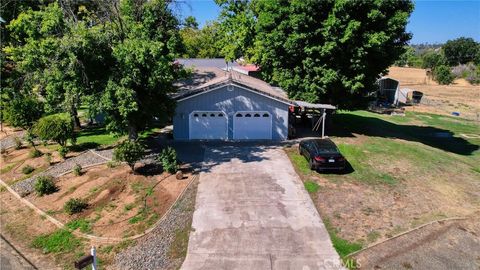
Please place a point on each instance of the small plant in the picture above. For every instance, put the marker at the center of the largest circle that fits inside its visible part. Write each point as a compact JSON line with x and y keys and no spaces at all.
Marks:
{"x":84,"y":225}
{"x":48,"y":158}
{"x":75,"y":205}
{"x":27,"y":169}
{"x":77,"y":170}
{"x":311,"y":186}
{"x":18,"y":143}
{"x":29,"y":137}
{"x":35,"y":153}
{"x":45,"y":185}
{"x":168,"y":158}
{"x":62,"y":151}
{"x":130,"y":152}
{"x":60,"y":241}
{"x":112,"y":164}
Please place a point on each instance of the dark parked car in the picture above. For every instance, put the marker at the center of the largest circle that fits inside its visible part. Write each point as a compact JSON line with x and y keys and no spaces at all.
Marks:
{"x":322,"y":154}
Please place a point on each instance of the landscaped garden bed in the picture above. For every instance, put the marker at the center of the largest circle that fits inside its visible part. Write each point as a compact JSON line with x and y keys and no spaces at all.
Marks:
{"x":118,"y":202}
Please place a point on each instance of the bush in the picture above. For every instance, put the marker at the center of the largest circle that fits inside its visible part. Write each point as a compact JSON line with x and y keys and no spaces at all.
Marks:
{"x":443,"y":75}
{"x":55,"y":127}
{"x":168,"y":158}
{"x":77,"y":170}
{"x":45,"y":185}
{"x":432,"y":59}
{"x":18,"y":143}
{"x":22,"y":111}
{"x":112,"y":164}
{"x":29,"y":137}
{"x":75,"y":205}
{"x":48,"y":158}
{"x":27,"y":169}
{"x":63,"y":151}
{"x":35,"y":153}
{"x":129,"y":152}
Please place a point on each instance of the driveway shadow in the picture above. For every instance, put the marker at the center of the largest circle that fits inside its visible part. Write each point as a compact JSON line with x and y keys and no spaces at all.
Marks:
{"x":346,"y":125}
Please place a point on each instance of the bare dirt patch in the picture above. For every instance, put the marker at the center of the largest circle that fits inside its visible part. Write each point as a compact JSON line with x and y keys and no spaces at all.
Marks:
{"x":120,"y":203}
{"x":459,"y":97}
{"x":12,"y":162}
{"x":428,"y":248}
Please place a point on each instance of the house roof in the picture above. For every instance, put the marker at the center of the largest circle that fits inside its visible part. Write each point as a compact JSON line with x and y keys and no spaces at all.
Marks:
{"x":205,"y":79}
{"x":210,"y":74}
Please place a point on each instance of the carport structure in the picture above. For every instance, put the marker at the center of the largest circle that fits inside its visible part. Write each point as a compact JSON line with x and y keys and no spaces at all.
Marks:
{"x":314,"y":113}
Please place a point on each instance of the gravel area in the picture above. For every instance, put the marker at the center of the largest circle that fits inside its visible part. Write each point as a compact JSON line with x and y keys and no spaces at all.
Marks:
{"x":26,"y":186}
{"x":9,"y":141}
{"x":152,"y":251}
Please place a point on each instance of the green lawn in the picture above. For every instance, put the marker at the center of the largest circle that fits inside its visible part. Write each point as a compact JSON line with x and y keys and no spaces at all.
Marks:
{"x":96,"y":136}
{"x":424,"y":143}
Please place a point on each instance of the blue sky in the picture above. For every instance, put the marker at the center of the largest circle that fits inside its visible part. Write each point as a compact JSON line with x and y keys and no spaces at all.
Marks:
{"x":431,"y":21}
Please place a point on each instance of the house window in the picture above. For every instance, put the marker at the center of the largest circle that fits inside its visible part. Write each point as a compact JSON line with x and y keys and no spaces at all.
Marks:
{"x":248,"y":115}
{"x":266,"y":115}
{"x":256,"y":115}
{"x":239,"y":115}
{"x":220,"y":115}
{"x":204,"y":115}
{"x":195,"y":115}
{"x":212,"y":115}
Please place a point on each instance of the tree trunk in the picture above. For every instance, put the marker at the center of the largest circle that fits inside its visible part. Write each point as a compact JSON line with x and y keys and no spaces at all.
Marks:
{"x":132,"y":132}
{"x":76,"y":120}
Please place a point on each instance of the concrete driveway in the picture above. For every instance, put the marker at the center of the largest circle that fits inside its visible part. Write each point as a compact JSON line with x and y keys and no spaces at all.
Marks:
{"x":252,"y":212}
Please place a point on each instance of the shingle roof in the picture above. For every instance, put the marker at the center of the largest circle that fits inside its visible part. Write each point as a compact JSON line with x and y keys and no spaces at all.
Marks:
{"x":205,"y":78}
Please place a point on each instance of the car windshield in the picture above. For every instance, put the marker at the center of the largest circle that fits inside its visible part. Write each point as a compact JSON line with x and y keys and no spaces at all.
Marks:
{"x":325,"y":146}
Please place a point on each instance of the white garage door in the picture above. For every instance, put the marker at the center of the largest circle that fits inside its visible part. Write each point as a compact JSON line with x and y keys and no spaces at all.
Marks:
{"x":208,"y":125}
{"x":252,"y":126}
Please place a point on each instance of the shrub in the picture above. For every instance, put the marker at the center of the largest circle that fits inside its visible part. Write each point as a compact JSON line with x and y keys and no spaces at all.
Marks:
{"x":29,"y":137}
{"x":18,"y":143}
{"x":35,"y":153}
{"x":45,"y":185}
{"x":75,"y":205}
{"x":55,"y":127}
{"x":112,"y":164}
{"x":168,"y":158}
{"x":443,"y":75}
{"x":432,"y":59}
{"x":129,"y":152}
{"x":77,"y":170}
{"x":63,"y":151}
{"x":27,"y":169}
{"x":48,"y":158}
{"x":22,"y":111}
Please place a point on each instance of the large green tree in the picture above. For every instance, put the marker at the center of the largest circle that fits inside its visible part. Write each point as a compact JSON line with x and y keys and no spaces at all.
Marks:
{"x":145,"y":41}
{"x":201,"y":43}
{"x":461,"y":51}
{"x":319,"y":51}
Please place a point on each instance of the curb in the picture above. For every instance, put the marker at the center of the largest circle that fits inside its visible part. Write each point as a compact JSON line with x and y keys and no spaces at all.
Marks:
{"x":404,"y":233}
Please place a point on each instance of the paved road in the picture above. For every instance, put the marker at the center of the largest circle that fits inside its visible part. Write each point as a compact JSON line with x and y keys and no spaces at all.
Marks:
{"x":12,"y":259}
{"x":252,"y":212}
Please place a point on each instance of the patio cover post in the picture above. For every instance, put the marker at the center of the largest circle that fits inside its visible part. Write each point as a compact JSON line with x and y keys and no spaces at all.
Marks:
{"x":323,"y":123}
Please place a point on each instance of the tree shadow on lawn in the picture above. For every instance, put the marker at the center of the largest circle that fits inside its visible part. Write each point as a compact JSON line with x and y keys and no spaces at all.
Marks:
{"x":345,"y":125}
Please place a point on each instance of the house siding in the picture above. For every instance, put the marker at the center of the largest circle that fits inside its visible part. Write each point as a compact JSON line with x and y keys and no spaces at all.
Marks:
{"x":230,"y":102}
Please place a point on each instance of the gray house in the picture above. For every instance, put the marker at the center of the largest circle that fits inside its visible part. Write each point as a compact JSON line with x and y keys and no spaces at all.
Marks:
{"x":224,"y":104}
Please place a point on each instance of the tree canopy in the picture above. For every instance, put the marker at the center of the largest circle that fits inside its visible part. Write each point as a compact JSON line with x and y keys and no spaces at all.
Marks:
{"x":461,"y":51}
{"x":318,"y":51}
{"x":117,"y":55}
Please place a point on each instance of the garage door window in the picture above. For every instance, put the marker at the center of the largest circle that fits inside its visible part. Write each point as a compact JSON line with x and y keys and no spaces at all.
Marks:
{"x":252,"y":125}
{"x":208,"y":125}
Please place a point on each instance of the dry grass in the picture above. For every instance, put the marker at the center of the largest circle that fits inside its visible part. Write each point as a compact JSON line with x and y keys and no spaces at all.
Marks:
{"x":440,"y":99}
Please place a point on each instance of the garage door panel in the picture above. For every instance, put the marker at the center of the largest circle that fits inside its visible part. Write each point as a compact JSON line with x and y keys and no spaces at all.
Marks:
{"x":252,"y":125}
{"x":208,"y":125}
